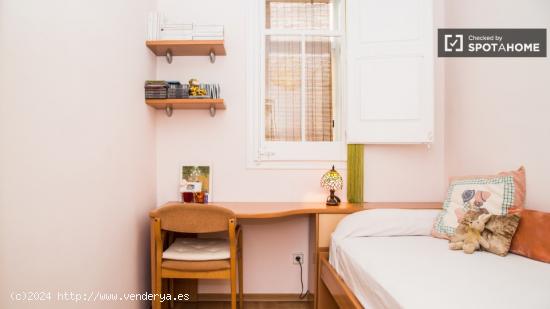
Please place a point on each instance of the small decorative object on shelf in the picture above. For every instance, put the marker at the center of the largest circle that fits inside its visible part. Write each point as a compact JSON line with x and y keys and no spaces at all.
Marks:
{"x":195,"y":90}
{"x":196,"y":186}
{"x":332,"y":181}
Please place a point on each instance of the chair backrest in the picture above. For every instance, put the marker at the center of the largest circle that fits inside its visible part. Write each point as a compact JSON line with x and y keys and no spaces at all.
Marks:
{"x":193,"y":218}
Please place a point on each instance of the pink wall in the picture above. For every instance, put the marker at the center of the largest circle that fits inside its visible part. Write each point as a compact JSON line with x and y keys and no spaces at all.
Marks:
{"x":497,"y":109}
{"x":77,"y":149}
{"x":78,"y":171}
{"x":193,"y":136}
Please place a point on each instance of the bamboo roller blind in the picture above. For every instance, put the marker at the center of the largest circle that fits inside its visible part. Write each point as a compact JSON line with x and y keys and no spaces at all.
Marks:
{"x":288,"y":93}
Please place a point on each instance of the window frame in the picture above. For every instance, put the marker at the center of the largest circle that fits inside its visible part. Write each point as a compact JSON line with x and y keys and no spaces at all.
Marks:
{"x":289,"y":155}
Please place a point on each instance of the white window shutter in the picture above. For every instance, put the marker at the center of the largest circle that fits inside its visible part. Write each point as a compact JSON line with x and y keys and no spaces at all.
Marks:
{"x":390,"y":73}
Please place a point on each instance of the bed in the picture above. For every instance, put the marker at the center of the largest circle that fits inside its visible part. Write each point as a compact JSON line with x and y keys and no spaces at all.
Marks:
{"x":400,"y":266}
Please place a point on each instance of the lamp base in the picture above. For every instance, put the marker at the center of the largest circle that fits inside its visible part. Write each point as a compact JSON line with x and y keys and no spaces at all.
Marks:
{"x":333,"y":200}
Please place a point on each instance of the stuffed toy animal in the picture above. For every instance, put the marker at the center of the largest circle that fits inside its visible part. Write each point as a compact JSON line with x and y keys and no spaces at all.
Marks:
{"x":467,"y":236}
{"x":499,"y":231}
{"x":466,"y":217}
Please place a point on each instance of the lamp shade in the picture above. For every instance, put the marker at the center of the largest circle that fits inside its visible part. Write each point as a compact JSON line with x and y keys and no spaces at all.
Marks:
{"x":332,"y":180}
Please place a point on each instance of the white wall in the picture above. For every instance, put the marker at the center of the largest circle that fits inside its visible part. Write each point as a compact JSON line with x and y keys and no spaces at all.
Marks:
{"x":194,"y":137}
{"x":484,"y":106}
{"x":497,"y":108}
{"x":77,"y":172}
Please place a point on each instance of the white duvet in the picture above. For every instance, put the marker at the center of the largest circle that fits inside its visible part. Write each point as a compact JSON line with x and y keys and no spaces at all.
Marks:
{"x":416,"y":272}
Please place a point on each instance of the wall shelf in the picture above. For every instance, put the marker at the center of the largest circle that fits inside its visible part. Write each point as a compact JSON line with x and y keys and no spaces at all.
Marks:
{"x":169,"y":104}
{"x":170,"y":48}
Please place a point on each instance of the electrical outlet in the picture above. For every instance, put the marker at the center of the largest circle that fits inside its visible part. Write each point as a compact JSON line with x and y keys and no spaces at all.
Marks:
{"x":297,"y":257}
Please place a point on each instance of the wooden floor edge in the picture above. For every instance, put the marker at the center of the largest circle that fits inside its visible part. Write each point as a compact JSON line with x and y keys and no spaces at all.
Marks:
{"x":261,"y":297}
{"x":341,"y":293}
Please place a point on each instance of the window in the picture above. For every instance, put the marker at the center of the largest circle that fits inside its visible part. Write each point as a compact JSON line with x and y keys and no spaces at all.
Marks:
{"x":297,"y":109}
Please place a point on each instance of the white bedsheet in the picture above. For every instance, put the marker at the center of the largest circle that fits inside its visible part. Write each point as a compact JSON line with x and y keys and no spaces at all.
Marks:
{"x":421,"y":272}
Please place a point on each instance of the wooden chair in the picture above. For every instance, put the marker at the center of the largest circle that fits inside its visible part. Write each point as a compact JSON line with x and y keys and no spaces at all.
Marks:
{"x":195,"y":219}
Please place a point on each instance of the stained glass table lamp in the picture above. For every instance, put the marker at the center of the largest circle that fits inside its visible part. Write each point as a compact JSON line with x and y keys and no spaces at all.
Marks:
{"x":332,"y":181}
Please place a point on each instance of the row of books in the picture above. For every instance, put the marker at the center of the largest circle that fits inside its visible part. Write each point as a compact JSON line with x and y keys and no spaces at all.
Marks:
{"x":162,"y":28}
{"x":161,"y":89}
{"x":156,"y":89}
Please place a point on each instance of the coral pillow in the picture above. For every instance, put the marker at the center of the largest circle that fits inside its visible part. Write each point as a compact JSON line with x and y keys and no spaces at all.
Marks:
{"x":532,"y":239}
{"x":499,"y":194}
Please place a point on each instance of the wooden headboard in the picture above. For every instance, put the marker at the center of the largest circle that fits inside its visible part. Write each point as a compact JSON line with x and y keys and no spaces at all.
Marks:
{"x":328,"y":222}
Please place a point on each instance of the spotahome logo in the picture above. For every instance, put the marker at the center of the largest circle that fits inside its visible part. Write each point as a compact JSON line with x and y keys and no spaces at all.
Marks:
{"x":454,"y":42}
{"x":491,"y":42}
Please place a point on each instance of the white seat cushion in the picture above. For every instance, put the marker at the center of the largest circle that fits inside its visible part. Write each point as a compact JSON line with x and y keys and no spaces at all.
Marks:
{"x":197,"y":249}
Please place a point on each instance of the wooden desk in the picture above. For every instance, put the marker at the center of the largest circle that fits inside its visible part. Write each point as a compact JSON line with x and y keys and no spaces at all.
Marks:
{"x":322,"y":221}
{"x":263,"y":210}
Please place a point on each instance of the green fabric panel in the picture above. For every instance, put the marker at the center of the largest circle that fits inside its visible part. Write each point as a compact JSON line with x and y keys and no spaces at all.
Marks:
{"x":355,"y":173}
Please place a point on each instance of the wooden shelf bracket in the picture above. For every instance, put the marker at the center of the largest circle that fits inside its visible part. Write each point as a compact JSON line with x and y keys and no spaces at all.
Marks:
{"x":212,"y":110}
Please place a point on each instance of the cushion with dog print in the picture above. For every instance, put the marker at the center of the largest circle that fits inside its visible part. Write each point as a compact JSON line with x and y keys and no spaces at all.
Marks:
{"x":499,"y":194}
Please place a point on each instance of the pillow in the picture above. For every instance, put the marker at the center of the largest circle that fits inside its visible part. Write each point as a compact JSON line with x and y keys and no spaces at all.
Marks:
{"x":386,"y":222}
{"x":532,"y":238}
{"x":499,"y":231}
{"x":499,"y":194}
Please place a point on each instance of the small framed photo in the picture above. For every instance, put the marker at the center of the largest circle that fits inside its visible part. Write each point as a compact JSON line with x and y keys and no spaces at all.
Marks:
{"x":196,"y":183}
{"x":193,"y":187}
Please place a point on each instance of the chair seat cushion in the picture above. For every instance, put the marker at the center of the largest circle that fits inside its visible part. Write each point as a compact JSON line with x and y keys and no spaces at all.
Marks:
{"x":196,"y":265}
{"x":197,"y":249}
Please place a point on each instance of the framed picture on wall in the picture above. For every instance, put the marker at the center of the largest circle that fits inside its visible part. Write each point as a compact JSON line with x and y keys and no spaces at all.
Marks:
{"x":196,"y":184}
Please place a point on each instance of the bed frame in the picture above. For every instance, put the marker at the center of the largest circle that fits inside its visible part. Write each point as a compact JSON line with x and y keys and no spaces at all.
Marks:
{"x":333,"y":291}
